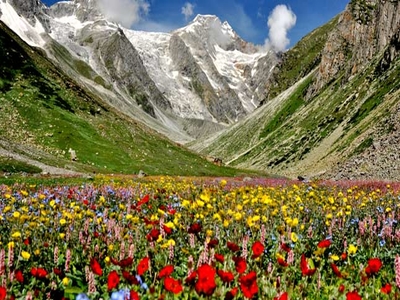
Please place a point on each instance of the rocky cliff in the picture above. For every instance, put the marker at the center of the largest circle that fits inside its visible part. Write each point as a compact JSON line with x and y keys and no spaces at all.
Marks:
{"x":364,"y":29}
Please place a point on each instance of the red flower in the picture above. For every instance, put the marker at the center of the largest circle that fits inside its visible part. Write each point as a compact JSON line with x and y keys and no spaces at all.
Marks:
{"x":166,"y":271}
{"x":212,"y":243}
{"x":167,"y":230}
{"x":336,"y":270}
{"x":38,"y":272}
{"x":324,"y":244}
{"x":305,"y":270}
{"x":353,"y":296}
{"x":19,"y":276}
{"x":172,"y":285}
{"x":343,"y":256}
{"x":258,"y":249}
{"x":283,"y":296}
{"x":282,"y":262}
{"x":285,"y":247}
{"x":95,"y":266}
{"x":27,"y":241}
{"x":225,"y":276}
{"x":144,"y":200}
{"x":219,"y":257}
{"x":232,"y":246}
{"x":386,"y":289}
{"x":143,"y":266}
{"x":131,"y":279}
{"x":153,"y":235}
{"x":134,"y":295}
{"x":248,"y":284}
{"x":205,"y":284}
{"x":240,"y":264}
{"x":231,"y":294}
{"x":195,"y":228}
{"x":190,"y":280}
{"x":341,"y":288}
{"x":3,"y":293}
{"x":127,"y":262}
{"x":112,"y":280}
{"x":374,"y":265}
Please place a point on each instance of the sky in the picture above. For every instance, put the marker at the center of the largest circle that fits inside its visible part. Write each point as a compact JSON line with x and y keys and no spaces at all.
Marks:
{"x":279,"y":24}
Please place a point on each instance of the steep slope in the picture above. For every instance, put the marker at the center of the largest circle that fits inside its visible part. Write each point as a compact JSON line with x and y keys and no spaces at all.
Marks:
{"x":192,"y":82}
{"x":341,"y":120}
{"x":45,"y":113}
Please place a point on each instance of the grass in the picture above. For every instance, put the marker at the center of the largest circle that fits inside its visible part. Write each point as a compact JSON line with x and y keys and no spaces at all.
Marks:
{"x":45,"y":109}
{"x":11,"y":165}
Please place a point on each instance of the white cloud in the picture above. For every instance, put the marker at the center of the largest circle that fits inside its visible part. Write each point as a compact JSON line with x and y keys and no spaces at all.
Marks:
{"x":280,"y":21}
{"x":125,"y":12}
{"x":188,"y":10}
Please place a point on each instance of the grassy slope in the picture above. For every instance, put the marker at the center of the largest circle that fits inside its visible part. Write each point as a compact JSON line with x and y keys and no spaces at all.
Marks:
{"x":290,"y":135}
{"x":45,"y":111}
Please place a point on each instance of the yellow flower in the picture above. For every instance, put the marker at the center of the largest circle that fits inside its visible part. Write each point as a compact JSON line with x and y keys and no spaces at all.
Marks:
{"x":16,"y":214}
{"x":25,"y":255}
{"x":294,"y":237}
{"x":16,"y":235}
{"x":65,"y":281}
{"x":111,"y":247}
{"x":62,"y":235}
{"x":11,"y":245}
{"x":238,"y":216}
{"x":334,"y":257}
{"x":63,"y":221}
{"x":352,"y":249}
{"x":170,"y":225}
{"x":36,"y":252}
{"x":107,"y":259}
{"x":169,"y":243}
{"x":226,"y":223}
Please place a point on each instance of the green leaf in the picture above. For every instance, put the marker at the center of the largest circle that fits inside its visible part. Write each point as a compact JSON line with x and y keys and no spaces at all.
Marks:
{"x":73,"y":290}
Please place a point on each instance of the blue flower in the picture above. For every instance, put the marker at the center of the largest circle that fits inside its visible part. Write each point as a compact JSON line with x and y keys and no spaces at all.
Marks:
{"x":82,"y":296}
{"x":120,"y":295}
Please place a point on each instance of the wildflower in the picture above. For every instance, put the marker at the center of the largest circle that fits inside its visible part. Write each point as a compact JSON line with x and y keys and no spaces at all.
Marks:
{"x":112,"y":280}
{"x":38,"y":272}
{"x":95,"y":266}
{"x":65,"y":281}
{"x":3,"y":293}
{"x":225,"y":276}
{"x":82,"y":296}
{"x":283,"y":296}
{"x":219,"y":257}
{"x":240,"y":264}
{"x":341,"y":288}
{"x":336,"y":270}
{"x":386,"y":289}
{"x":324,"y":244}
{"x":166,"y":271}
{"x":19,"y":276}
{"x":205,"y":284}
{"x":172,"y":285}
{"x":231,"y":294}
{"x":195,"y":228}
{"x":232,"y":246}
{"x":353,"y":296}
{"x":248,"y":284}
{"x":16,"y":235}
{"x":143,"y":266}
{"x":294,"y":237}
{"x":25,"y":255}
{"x":352,"y":249}
{"x":258,"y":249}
{"x":305,"y":270}
{"x":374,"y":265}
{"x":397,"y":270}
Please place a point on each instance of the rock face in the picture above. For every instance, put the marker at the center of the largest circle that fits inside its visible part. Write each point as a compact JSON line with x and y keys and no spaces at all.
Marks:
{"x":364,"y":29}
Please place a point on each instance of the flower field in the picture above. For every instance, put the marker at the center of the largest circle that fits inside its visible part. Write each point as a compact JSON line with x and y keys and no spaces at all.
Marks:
{"x":181,"y":238}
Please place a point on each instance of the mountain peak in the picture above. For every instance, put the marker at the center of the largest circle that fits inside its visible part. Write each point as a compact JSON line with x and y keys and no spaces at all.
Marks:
{"x":205,"y":19}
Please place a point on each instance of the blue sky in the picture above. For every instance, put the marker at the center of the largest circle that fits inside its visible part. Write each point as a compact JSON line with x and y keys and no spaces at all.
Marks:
{"x":249,"y":18}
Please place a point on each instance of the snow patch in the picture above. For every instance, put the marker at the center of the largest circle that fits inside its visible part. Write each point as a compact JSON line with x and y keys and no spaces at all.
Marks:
{"x":21,"y":26}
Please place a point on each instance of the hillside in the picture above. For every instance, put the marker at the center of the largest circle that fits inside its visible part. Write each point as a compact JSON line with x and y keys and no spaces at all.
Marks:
{"x":341,"y":120}
{"x":44,"y":113}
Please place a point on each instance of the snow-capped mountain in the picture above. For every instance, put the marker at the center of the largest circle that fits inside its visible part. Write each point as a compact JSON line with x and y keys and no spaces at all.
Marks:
{"x":190,"y":82}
